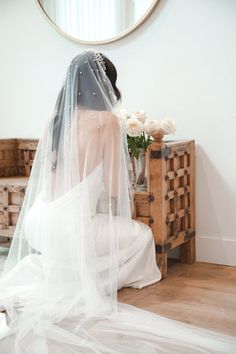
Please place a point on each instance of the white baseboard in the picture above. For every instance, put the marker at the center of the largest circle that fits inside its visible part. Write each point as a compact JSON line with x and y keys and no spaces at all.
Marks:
{"x":215,"y":250}
{"x":212,"y":250}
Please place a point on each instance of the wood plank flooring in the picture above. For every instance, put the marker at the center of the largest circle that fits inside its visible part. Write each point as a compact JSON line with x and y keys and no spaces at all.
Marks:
{"x":201,"y":294}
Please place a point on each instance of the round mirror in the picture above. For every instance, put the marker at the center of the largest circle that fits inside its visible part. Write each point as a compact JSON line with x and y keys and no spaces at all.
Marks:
{"x":97,"y":21}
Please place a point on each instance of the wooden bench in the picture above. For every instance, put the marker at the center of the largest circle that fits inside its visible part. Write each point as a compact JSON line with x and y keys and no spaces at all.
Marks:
{"x":167,"y":205}
{"x":16,"y":159}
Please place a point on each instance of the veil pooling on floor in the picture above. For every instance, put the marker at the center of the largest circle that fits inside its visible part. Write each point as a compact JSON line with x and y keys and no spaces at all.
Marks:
{"x":59,"y":285}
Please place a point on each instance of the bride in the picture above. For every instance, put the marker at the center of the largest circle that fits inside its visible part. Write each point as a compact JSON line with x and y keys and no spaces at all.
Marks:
{"x":75,"y":243}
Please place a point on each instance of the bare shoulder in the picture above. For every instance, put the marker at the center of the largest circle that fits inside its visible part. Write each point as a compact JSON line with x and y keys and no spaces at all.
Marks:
{"x":111,"y":126}
{"x":110,"y":121}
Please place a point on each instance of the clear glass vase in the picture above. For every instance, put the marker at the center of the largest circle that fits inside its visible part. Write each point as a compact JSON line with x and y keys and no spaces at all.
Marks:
{"x":139,"y":171}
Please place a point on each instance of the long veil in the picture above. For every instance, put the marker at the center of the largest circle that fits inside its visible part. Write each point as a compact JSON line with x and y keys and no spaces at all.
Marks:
{"x":59,"y":284}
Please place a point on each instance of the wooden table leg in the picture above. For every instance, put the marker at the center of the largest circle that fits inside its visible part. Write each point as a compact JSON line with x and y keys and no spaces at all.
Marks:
{"x":188,"y":253}
{"x":162,"y":263}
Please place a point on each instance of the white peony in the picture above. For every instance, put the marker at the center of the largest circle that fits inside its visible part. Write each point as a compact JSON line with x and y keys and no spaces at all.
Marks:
{"x":122,"y":114}
{"x":151,"y":125}
{"x":141,"y":115}
{"x":168,"y":125}
{"x":134,"y":127}
{"x":121,"y":111}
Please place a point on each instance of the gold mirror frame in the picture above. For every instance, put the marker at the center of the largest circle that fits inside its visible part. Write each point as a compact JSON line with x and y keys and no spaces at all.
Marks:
{"x":123,"y":34}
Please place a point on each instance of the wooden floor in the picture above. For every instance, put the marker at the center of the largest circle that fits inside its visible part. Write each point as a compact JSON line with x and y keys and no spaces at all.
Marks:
{"x":202,"y":294}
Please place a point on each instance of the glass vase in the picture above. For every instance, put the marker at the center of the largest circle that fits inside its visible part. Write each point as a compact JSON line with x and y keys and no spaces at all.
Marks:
{"x":139,"y":171}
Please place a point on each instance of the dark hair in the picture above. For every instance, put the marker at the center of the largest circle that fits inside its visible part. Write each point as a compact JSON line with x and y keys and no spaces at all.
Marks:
{"x":99,"y":104}
{"x":111,"y":74}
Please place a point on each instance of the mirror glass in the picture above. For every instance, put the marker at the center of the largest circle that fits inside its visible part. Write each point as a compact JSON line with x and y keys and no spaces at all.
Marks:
{"x":97,"y":21}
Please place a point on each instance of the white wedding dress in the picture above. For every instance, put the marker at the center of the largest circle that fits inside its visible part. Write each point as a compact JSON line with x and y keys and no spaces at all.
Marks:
{"x":75,"y":242}
{"x":137,"y":261}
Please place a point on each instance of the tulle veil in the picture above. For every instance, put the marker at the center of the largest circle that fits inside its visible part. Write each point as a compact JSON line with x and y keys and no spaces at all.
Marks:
{"x":59,"y":290}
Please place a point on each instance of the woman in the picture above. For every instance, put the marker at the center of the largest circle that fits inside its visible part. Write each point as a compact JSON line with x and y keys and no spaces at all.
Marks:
{"x":75,"y":243}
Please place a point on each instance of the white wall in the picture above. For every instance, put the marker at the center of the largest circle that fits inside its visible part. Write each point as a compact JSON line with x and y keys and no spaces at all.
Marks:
{"x":182,"y":62}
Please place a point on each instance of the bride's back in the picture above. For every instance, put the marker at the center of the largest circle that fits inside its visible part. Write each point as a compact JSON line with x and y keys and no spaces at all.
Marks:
{"x":98,"y":141}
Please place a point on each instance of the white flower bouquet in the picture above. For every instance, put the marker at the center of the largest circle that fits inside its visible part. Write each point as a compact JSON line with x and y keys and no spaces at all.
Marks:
{"x":141,"y":130}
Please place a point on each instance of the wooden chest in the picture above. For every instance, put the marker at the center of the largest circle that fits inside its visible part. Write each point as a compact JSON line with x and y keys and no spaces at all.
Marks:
{"x":16,"y":158}
{"x":168,"y":204}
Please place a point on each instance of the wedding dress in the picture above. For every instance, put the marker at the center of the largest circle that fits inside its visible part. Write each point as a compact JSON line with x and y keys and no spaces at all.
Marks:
{"x":75,"y":242}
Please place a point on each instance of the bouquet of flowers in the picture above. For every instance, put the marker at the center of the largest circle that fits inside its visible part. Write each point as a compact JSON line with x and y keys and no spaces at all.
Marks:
{"x":141,"y":131}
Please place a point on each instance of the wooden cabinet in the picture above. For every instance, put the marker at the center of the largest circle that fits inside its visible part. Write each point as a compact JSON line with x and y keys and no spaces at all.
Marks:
{"x":168,"y":204}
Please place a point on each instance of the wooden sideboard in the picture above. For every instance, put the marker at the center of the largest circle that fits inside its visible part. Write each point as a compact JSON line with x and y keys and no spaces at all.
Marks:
{"x":167,"y":205}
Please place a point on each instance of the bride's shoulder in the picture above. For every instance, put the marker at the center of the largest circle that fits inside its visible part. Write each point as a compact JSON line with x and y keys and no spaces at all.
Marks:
{"x":110,"y":119}
{"x":111,"y":125}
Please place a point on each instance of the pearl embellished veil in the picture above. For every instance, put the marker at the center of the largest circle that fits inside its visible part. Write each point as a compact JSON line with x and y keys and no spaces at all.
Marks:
{"x":59,"y":290}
